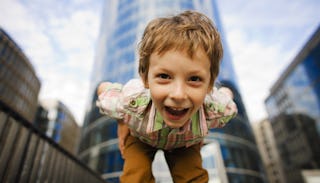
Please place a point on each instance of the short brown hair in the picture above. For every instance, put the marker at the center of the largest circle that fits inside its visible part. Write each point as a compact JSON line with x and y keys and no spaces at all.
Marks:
{"x":186,"y":31}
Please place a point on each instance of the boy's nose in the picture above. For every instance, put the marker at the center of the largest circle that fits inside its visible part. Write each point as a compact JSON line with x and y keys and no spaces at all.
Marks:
{"x":178,"y":91}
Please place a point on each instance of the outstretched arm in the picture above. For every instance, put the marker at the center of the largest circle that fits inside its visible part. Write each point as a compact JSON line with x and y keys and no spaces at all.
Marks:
{"x":220,"y":107}
{"x":110,"y":99}
{"x":115,"y":101}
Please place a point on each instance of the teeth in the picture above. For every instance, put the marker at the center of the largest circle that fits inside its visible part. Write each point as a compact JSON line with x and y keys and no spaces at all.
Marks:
{"x":177,"y":109}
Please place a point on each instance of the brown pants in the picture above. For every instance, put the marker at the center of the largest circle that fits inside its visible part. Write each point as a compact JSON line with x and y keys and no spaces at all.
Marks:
{"x":185,"y":164}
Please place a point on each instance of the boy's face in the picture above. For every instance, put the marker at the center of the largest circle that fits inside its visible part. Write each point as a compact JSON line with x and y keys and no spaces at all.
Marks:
{"x":178,"y":84}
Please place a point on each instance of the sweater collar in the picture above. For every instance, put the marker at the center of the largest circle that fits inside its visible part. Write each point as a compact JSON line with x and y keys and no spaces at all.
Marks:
{"x":157,"y":123}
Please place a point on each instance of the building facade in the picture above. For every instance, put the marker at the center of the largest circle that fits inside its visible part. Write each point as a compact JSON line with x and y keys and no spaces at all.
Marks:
{"x":268,"y":151}
{"x":293,"y":107}
{"x":116,"y":59}
{"x":19,"y":84}
{"x":26,"y":155}
{"x":55,"y":120}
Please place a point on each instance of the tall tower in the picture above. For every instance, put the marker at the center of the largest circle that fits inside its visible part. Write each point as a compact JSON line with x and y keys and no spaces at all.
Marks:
{"x":293,"y":107}
{"x":116,"y":60}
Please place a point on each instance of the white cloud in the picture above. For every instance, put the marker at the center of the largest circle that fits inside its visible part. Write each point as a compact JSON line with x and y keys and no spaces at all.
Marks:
{"x":257,"y":66}
{"x":6,"y":9}
{"x":264,"y":37}
{"x":59,"y":39}
{"x":75,"y":42}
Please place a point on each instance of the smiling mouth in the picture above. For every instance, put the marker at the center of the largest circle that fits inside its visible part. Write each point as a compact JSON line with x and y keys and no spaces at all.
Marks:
{"x":176,"y":112}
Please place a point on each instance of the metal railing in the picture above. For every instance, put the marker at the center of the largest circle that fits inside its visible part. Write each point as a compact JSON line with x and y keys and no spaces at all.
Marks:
{"x":26,"y":155}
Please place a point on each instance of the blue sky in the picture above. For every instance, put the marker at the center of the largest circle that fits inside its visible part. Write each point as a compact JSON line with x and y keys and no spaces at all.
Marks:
{"x":59,"y":38}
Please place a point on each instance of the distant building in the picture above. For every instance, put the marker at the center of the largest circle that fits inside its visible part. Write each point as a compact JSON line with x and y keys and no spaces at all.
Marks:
{"x":268,"y":151}
{"x":293,"y":107}
{"x":116,"y":60}
{"x":311,"y":176}
{"x":56,"y":121}
{"x":298,"y":144}
{"x":19,"y":85}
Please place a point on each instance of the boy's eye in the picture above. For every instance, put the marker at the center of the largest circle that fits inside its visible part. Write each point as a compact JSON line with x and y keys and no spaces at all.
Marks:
{"x":163,"y":76}
{"x":195,"y":78}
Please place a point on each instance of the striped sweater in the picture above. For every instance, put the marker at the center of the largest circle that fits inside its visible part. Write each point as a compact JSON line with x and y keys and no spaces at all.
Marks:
{"x":133,"y":105}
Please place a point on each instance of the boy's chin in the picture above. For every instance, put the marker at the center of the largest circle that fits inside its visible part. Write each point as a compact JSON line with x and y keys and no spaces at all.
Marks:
{"x":174,"y":124}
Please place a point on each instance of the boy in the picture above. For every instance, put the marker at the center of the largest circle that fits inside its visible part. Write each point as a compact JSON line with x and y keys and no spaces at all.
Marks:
{"x":176,"y":102}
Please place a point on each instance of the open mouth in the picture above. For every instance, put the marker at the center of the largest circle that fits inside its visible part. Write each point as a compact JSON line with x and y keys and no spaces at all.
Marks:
{"x":176,"y":111}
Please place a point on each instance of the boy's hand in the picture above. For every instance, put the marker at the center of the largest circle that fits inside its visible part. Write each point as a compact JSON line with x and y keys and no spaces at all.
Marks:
{"x":227,"y":91}
{"x":123,"y":133}
{"x":101,"y":87}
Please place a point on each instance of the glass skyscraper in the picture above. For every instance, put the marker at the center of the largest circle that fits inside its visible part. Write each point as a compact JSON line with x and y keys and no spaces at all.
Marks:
{"x":298,"y":88}
{"x":293,"y":106}
{"x":234,"y":156}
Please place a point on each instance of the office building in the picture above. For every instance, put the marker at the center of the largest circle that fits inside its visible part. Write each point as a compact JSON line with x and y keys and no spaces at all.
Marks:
{"x":55,"y":120}
{"x":116,"y":59}
{"x":268,"y":151}
{"x":26,"y":155}
{"x":293,"y":106}
{"x":19,"y":84}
